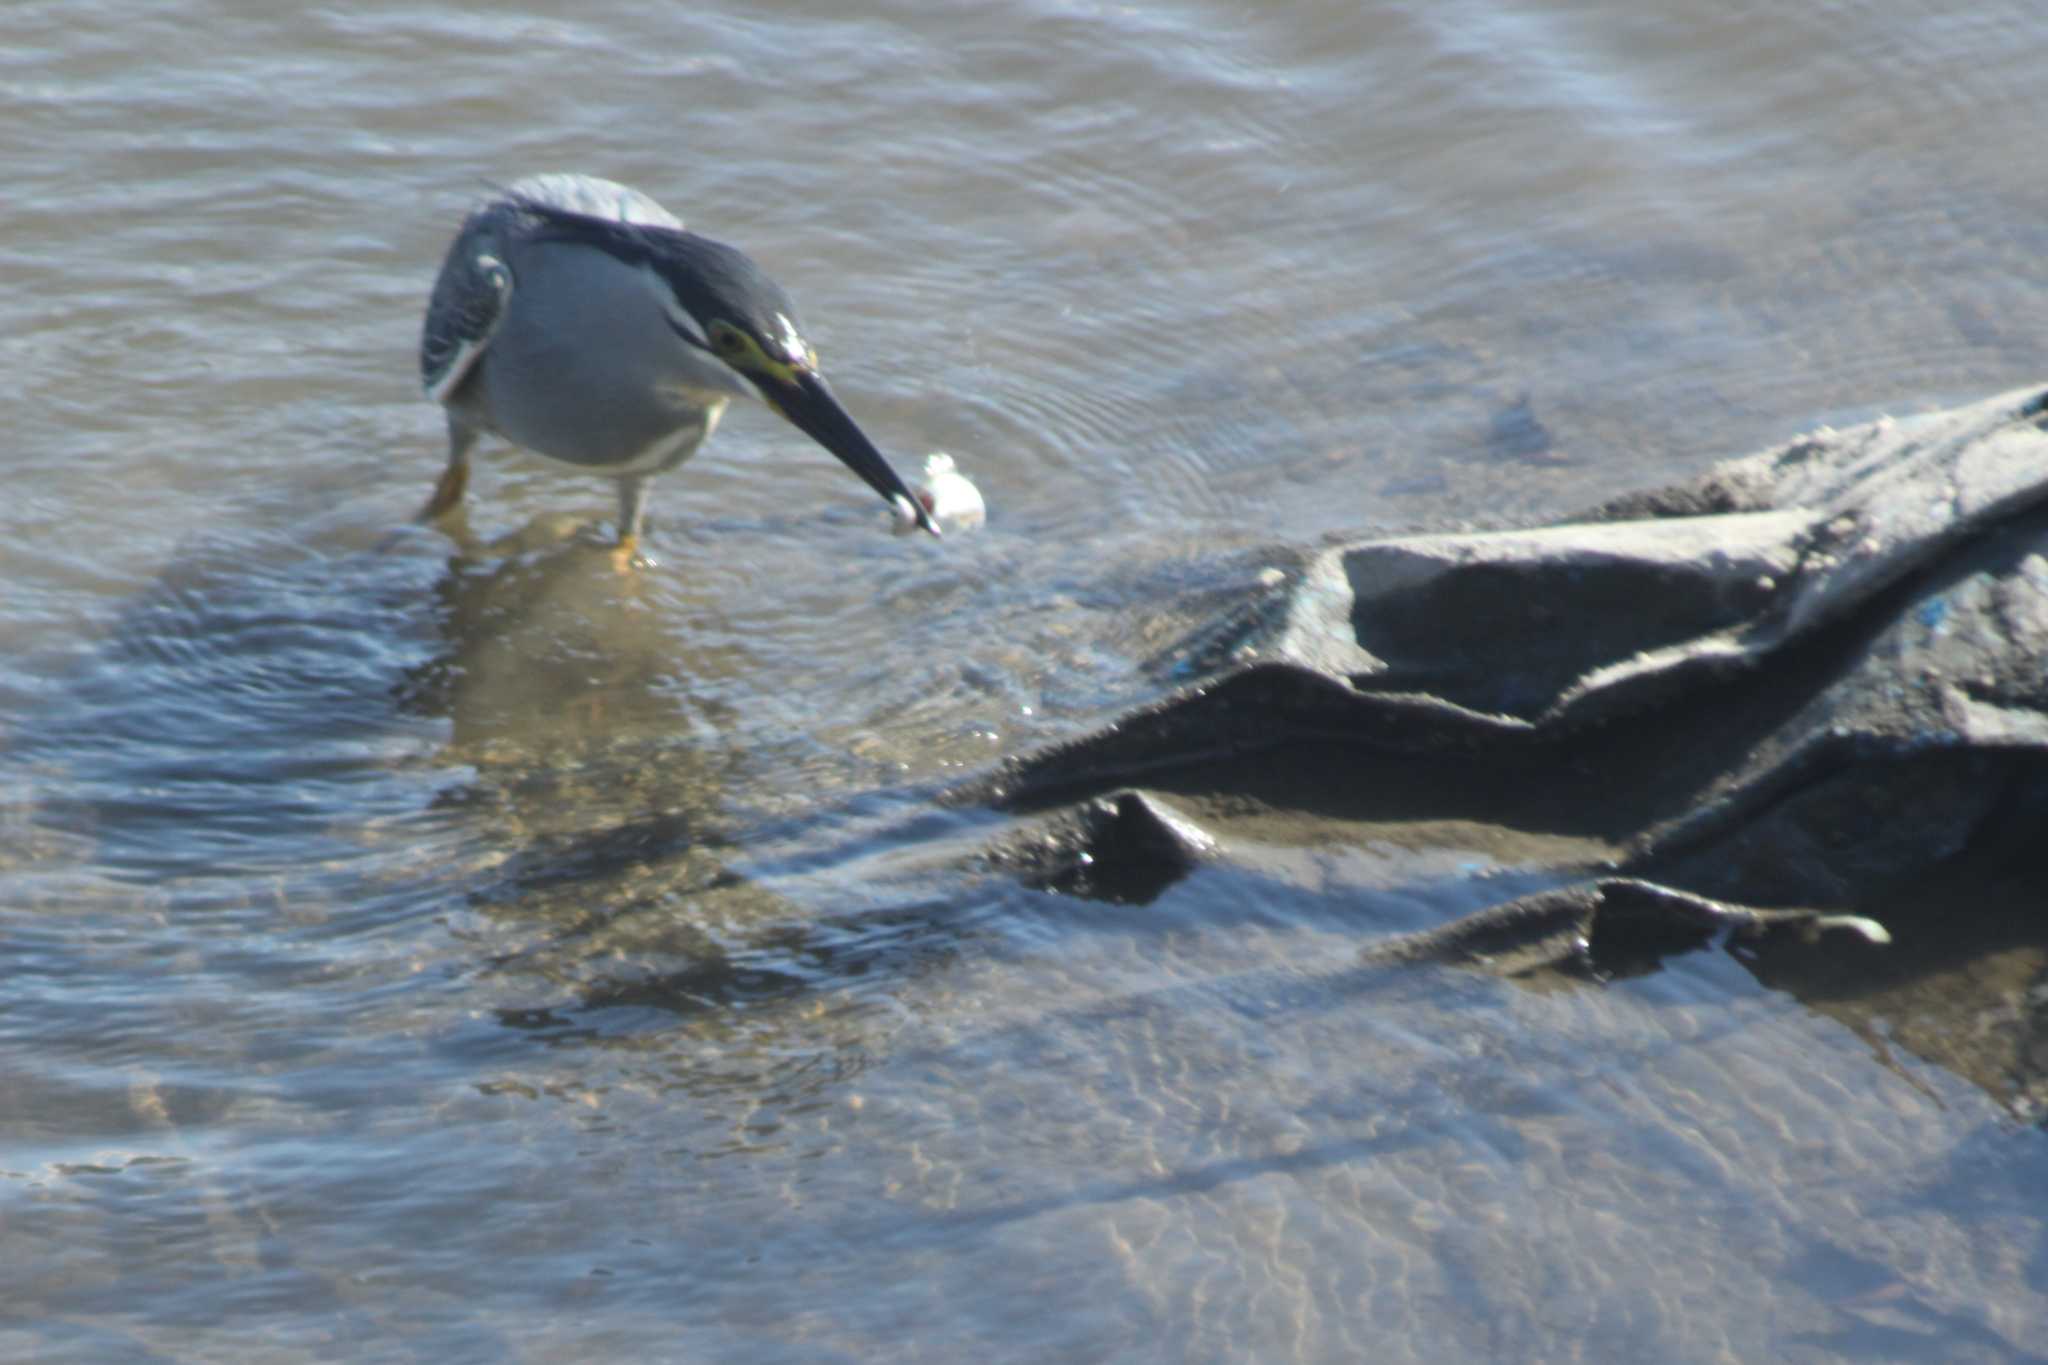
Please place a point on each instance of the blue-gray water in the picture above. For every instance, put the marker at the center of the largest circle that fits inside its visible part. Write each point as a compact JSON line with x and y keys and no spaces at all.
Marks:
{"x":408,"y":958}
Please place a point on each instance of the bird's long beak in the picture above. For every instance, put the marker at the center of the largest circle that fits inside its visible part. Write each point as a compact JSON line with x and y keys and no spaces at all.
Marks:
{"x":809,"y":405}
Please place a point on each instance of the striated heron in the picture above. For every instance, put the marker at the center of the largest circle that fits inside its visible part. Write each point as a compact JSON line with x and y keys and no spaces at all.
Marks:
{"x":578,"y":318}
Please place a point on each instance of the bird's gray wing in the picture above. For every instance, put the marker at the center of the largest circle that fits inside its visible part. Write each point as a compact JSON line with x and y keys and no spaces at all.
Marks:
{"x":590,"y":197}
{"x":469,"y":297}
{"x":468,"y":301}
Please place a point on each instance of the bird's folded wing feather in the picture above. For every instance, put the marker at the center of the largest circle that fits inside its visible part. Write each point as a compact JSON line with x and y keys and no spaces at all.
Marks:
{"x":467,"y":305}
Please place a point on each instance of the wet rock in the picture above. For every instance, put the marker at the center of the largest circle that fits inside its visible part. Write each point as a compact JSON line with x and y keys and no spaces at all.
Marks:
{"x":1804,"y":680}
{"x":1126,"y":846}
{"x":1611,"y":925}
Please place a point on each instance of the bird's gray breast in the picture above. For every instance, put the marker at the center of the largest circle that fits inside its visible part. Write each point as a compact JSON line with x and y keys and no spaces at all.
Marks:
{"x":585,"y":367}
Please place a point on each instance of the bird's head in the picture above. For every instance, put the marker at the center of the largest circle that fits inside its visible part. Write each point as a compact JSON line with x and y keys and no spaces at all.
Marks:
{"x":726,"y":306}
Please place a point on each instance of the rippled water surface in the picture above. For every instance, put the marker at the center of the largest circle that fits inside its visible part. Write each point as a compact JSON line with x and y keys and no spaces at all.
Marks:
{"x":416,"y":950}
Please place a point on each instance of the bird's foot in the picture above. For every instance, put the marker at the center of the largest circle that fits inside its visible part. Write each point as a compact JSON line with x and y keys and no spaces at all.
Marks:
{"x":626,"y":556}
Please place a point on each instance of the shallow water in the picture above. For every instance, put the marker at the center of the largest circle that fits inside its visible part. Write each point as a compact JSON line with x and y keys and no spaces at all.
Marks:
{"x":420,"y":950}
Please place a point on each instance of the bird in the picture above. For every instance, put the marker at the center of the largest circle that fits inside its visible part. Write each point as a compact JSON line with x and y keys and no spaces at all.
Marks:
{"x":577,"y":318}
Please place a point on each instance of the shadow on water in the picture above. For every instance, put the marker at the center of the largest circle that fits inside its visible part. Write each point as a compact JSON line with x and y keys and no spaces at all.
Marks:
{"x":544,"y":646}
{"x":341,"y":734}
{"x":601,"y":778}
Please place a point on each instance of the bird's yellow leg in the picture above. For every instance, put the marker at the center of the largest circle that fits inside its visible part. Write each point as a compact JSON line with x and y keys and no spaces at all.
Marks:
{"x":632,"y":506}
{"x":448,"y":492}
{"x":455,"y":478}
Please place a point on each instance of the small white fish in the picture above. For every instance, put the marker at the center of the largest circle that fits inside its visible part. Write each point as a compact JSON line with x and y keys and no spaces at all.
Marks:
{"x":951,"y":498}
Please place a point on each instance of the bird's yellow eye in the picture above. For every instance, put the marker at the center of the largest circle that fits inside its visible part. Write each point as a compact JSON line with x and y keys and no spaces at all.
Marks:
{"x":728,"y":340}
{"x":742,"y":350}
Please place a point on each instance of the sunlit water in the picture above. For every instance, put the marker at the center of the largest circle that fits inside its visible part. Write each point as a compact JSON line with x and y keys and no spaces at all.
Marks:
{"x":412,"y":954}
